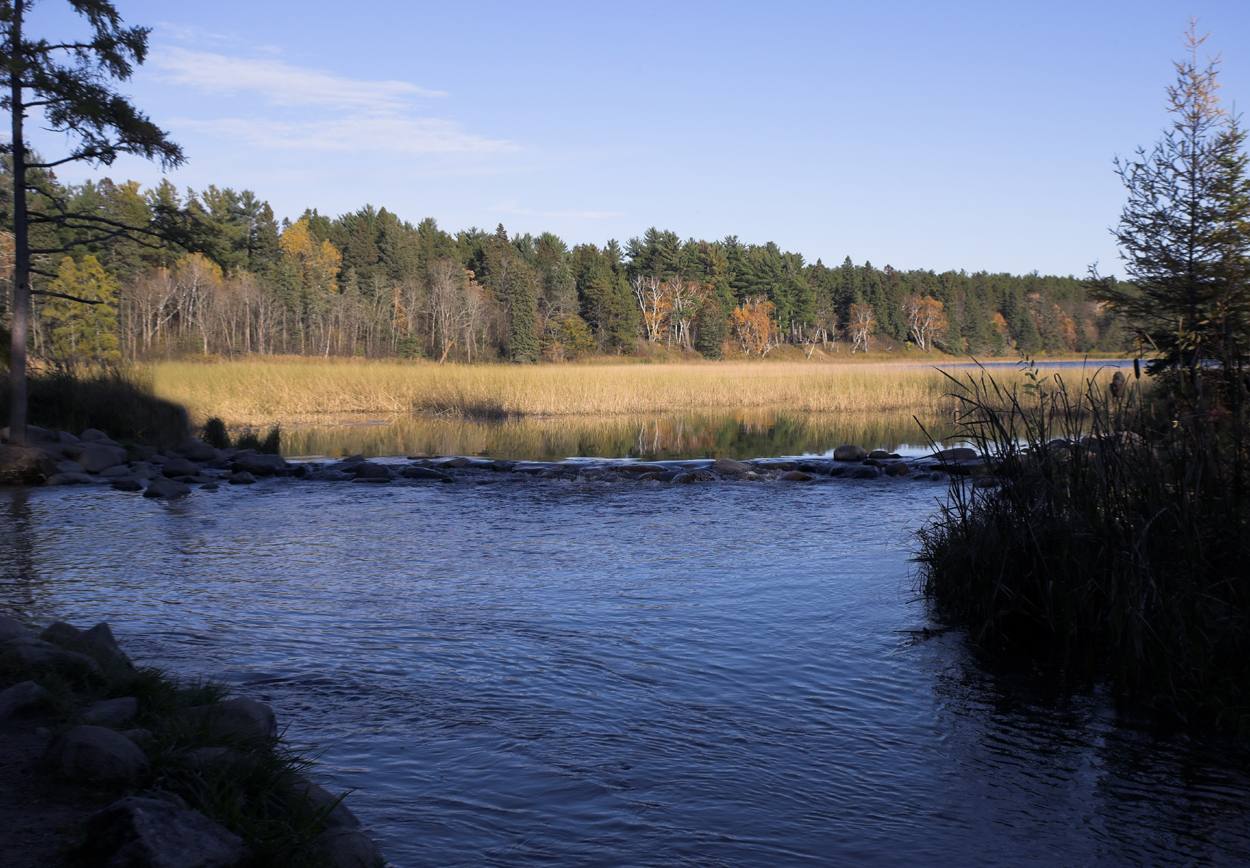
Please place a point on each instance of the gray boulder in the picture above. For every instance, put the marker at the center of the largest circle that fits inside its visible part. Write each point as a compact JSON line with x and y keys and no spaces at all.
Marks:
{"x":242,"y":478}
{"x":318,"y":798}
{"x":66,"y":437}
{"x":371,"y":471}
{"x":897,"y":469}
{"x":180,"y":467}
{"x":796,"y":476}
{"x":258,"y":465}
{"x":728,"y":465}
{"x":864,"y":472}
{"x":349,"y":848}
{"x":60,"y":632}
{"x":71,"y":479}
{"x":92,"y":435}
{"x":96,"y":754}
{"x":115,"y":472}
{"x":109,"y":712}
{"x":959,"y":453}
{"x":22,"y":466}
{"x":127,"y":484}
{"x":695,"y":476}
{"x":32,"y":654}
{"x":101,"y":456}
{"x":21,"y":697}
{"x":416,"y":471}
{"x":11,"y":628}
{"x":162,"y":486}
{"x":68,"y":466}
{"x":332,"y":476}
{"x":139,"y":832}
{"x":34,"y":434}
{"x":100,"y":644}
{"x":196,"y":450}
{"x":849,"y":452}
{"x":241,"y":716}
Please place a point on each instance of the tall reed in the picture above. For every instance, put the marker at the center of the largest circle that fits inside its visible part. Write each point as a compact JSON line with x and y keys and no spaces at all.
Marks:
{"x":1117,"y":539}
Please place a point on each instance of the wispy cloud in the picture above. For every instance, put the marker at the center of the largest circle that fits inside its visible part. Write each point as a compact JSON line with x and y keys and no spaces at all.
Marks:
{"x":577,"y":215}
{"x":283,"y":84}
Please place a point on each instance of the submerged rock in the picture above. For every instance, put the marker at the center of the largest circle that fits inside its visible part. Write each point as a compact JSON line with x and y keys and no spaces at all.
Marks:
{"x":168,"y":488}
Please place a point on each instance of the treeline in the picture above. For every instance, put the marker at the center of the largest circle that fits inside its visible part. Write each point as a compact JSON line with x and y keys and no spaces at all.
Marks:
{"x":214,"y":273}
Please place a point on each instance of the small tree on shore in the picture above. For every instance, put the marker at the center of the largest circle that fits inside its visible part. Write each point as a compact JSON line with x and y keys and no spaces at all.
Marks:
{"x":69,"y":83}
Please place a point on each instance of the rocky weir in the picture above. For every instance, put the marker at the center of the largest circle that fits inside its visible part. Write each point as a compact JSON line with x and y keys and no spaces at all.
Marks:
{"x":176,"y":775}
{"x":92,"y":458}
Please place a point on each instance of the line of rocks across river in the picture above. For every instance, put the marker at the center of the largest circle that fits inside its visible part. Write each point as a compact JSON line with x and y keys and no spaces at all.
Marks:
{"x":92,"y":458}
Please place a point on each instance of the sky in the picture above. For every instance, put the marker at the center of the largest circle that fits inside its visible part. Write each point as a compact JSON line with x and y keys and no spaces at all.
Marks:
{"x":953,"y":135}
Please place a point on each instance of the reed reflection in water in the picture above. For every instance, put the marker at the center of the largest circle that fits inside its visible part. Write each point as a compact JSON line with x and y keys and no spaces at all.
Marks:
{"x":740,"y":434}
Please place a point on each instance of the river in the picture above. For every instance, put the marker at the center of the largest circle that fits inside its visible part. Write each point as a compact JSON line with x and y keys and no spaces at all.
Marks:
{"x":546,"y":672}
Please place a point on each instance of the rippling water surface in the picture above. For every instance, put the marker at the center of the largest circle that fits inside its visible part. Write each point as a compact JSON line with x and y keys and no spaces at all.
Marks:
{"x":540,"y":672}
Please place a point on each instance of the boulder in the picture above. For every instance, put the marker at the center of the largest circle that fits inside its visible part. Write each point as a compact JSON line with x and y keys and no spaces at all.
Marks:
{"x":71,"y":479}
{"x":371,"y":471}
{"x":455,"y":462}
{"x":796,"y":476}
{"x":728,"y":465}
{"x":145,"y":453}
{"x":127,"y":484}
{"x":959,"y":453}
{"x":242,"y":478}
{"x":881,"y":453}
{"x":68,"y":466}
{"x":91,"y":435}
{"x":11,"y":628}
{"x":850,"y":452}
{"x":168,"y":488}
{"x":318,"y":798}
{"x":20,"y":465}
{"x":258,"y":465}
{"x":415,"y":471}
{"x":180,"y":467}
{"x":96,"y":754}
{"x":115,"y":472}
{"x":109,"y":712}
{"x":40,"y":654}
{"x":862,"y":472}
{"x":100,"y":644}
{"x":209,"y":486}
{"x":695,"y":476}
{"x":21,"y":697}
{"x":349,"y":848}
{"x":60,"y":632}
{"x":145,"y":832}
{"x":897,"y":469}
{"x":241,"y":716}
{"x":501,"y":465}
{"x":196,"y":450}
{"x":66,"y":437}
{"x":101,"y":456}
{"x":637,"y":468}
{"x":332,"y":476}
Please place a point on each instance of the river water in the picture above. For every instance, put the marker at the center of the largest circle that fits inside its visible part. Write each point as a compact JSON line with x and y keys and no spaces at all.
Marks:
{"x":546,"y":672}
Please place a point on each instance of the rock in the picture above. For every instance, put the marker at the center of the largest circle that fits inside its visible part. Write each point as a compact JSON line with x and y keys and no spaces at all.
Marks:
{"x":91,"y":435}
{"x":169,"y":488}
{"x":775,"y":465}
{"x":11,"y":628}
{"x":415,"y":471}
{"x":695,"y":476}
{"x":111,"y":711}
{"x":332,"y":476}
{"x":455,"y":462}
{"x":242,"y":478}
{"x":145,"y":453}
{"x":20,"y":465}
{"x":349,"y":848}
{"x":101,"y":456}
{"x":66,"y":437}
{"x":196,"y":450}
{"x":258,"y":465}
{"x":146,"y":832}
{"x":31,"y":656}
{"x":138,"y":736}
{"x":156,"y":459}
{"x":796,"y":476}
{"x":898,"y":469}
{"x":241,"y":716}
{"x":100,"y":644}
{"x":207,"y":756}
{"x":371,"y":471}
{"x":115,"y":472}
{"x":209,"y":486}
{"x":180,"y":467}
{"x":93,"y":753}
{"x":881,"y":453}
{"x":959,"y":453}
{"x":728,"y":465}
{"x":318,"y":798}
{"x":68,"y":466}
{"x":70,"y":479}
{"x":60,"y":632}
{"x":862,"y":472}
{"x":369,"y":480}
{"x":127,"y":484}
{"x":849,"y":452}
{"x":501,"y":465}
{"x":21,"y":697}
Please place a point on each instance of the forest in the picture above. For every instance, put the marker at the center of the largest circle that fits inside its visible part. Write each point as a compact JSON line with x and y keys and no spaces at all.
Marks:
{"x":213,"y":273}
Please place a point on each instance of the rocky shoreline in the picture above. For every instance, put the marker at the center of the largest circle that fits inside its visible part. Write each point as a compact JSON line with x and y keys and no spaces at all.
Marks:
{"x":92,"y":458}
{"x":109,"y":764}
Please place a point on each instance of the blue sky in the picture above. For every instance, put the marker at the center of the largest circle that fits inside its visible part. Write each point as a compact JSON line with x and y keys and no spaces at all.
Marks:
{"x":921,"y":135}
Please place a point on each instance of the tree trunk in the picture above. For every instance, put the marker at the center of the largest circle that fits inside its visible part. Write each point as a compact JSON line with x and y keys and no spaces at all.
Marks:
{"x":21,"y":249}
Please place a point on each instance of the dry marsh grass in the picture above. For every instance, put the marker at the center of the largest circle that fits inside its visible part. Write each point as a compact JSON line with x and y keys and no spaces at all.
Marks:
{"x":287,"y":391}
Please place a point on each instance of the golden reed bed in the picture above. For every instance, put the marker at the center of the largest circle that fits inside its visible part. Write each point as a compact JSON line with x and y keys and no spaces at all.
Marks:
{"x":289,"y":391}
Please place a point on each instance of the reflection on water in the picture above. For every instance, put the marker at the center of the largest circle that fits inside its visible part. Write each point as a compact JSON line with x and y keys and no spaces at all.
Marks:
{"x":741,"y":434}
